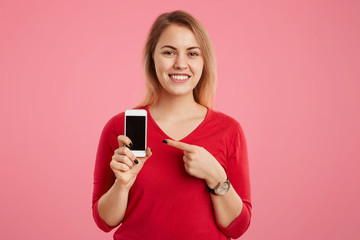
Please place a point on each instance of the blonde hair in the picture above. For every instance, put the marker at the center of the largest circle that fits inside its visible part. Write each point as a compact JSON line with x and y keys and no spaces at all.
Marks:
{"x":204,"y":92}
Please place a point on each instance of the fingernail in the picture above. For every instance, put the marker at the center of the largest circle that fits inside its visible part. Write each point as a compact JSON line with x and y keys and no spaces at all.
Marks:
{"x":150,"y":149}
{"x":164,"y":141}
{"x":131,"y":144}
{"x":127,"y":146}
{"x":136,"y":161}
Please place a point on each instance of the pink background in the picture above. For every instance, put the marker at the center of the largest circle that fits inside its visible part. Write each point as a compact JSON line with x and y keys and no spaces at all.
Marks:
{"x":288,"y":71}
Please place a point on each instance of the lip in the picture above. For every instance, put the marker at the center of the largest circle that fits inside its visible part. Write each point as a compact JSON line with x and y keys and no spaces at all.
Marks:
{"x":179,"y":80}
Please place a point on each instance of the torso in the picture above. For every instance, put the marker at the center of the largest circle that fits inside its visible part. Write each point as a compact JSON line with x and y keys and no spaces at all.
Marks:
{"x":166,"y":202}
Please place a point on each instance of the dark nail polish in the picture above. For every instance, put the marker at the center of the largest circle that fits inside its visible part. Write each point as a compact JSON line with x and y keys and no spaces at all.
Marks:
{"x":136,"y":161}
{"x":131,"y":144}
{"x":164,"y":141}
{"x":150,"y":149}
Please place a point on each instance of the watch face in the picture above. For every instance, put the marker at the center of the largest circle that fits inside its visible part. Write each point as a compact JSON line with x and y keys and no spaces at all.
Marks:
{"x":223,"y":188}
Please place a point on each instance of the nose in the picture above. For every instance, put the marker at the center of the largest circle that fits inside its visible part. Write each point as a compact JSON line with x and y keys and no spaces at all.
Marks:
{"x":180,"y":62}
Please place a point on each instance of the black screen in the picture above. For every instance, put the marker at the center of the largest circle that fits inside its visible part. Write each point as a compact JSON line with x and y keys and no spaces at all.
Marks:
{"x":135,"y":130}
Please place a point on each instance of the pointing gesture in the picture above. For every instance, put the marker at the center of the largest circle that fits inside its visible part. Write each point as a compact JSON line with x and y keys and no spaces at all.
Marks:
{"x":198,"y":162}
{"x":181,"y":145}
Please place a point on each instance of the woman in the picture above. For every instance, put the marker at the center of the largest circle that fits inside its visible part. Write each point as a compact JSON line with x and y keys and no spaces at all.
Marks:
{"x":194,"y":181}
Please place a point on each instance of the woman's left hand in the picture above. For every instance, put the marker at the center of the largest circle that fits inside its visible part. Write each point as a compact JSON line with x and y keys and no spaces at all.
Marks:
{"x":200,"y":163}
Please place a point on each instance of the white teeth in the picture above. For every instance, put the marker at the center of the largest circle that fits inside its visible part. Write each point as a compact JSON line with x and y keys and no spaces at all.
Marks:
{"x":179,"y":77}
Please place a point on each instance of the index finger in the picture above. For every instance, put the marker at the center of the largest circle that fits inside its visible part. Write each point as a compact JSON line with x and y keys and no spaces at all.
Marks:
{"x":180,"y":145}
{"x":123,"y":140}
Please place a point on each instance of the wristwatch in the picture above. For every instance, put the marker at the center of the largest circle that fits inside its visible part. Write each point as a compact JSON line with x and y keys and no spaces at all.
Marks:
{"x":221,"y":189}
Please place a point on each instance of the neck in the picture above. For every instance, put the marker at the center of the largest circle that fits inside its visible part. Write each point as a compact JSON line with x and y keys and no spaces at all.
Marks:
{"x":175,"y":107}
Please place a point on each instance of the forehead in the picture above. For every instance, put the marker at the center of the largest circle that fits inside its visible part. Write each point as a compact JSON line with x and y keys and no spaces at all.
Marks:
{"x":177,"y":36}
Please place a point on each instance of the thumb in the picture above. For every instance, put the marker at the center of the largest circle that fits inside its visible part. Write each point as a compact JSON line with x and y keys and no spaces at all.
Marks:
{"x":148,"y":155}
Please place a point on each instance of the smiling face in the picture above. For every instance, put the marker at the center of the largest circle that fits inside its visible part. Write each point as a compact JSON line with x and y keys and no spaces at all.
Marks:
{"x":178,"y":60}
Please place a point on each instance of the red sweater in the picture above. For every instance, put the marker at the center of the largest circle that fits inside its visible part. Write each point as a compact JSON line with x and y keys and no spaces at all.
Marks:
{"x":165,"y":202}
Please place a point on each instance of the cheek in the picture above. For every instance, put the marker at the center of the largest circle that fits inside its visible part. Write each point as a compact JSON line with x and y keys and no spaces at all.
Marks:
{"x":161,"y":67}
{"x":158,"y":68}
{"x":199,"y":67}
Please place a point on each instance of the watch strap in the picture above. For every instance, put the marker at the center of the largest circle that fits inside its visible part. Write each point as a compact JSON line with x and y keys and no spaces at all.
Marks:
{"x":210,"y":190}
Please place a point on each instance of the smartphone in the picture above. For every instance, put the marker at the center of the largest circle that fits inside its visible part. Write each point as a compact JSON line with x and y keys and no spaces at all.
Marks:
{"x":135,"y":129}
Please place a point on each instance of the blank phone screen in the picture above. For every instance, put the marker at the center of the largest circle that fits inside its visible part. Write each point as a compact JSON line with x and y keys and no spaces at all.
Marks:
{"x":135,"y":130}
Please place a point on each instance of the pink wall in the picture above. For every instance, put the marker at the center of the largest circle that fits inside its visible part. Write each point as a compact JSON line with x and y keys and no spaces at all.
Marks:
{"x":289,"y":72}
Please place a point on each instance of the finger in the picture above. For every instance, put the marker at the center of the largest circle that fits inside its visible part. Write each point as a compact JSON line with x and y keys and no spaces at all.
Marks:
{"x":186,"y":159}
{"x":188,"y":169}
{"x":125,"y":151}
{"x":124,"y":140}
{"x":188,"y":154}
{"x":123,"y":159}
{"x":180,"y":145}
{"x":119,"y":166}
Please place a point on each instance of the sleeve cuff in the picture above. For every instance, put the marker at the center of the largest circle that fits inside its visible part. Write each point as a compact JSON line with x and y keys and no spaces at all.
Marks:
{"x":239,"y":226}
{"x":99,"y":221}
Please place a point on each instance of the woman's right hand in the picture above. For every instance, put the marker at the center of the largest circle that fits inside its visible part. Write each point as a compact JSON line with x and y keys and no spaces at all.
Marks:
{"x":123,"y":165}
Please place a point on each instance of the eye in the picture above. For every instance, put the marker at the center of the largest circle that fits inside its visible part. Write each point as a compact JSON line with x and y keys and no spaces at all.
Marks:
{"x":193,"y":54}
{"x":169,"y":53}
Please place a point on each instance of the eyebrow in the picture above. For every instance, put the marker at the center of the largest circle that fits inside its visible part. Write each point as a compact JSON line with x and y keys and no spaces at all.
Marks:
{"x":174,"y":48}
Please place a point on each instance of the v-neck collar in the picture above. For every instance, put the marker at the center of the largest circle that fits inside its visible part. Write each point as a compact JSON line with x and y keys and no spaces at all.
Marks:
{"x":152,"y":121}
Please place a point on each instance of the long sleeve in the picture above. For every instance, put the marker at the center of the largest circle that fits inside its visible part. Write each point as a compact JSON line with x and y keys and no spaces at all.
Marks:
{"x":238,"y":174}
{"x":103,"y":175}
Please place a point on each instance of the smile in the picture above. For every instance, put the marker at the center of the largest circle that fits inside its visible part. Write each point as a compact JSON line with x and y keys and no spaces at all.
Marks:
{"x":179,"y":78}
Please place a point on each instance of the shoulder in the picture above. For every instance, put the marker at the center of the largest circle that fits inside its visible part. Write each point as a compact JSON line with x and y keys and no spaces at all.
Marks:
{"x":229,"y":127}
{"x":217,"y":117}
{"x":115,"y":125}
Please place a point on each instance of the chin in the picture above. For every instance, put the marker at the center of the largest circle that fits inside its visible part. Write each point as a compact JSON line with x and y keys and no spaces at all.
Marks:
{"x":179,"y":92}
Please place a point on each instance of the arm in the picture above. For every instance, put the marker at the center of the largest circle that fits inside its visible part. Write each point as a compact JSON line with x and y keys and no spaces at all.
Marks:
{"x":115,"y":173}
{"x":237,"y":171}
{"x":227,"y":207}
{"x":232,"y":210}
{"x":113,"y":204}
